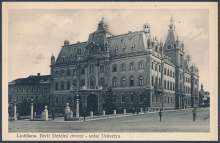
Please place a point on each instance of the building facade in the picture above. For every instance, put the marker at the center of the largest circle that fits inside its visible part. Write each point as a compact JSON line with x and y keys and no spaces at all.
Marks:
{"x":23,"y":91}
{"x":204,"y":98}
{"x":128,"y":71}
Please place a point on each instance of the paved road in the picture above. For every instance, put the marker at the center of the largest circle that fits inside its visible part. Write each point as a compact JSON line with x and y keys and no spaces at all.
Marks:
{"x":173,"y":121}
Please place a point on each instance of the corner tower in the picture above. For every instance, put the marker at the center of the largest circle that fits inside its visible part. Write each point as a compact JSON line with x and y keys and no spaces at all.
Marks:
{"x":174,"y":48}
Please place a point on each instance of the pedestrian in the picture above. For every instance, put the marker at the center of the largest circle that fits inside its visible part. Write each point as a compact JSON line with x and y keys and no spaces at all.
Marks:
{"x":84,"y":115}
{"x":53,"y":115}
{"x":194,"y":112}
{"x":160,"y":115}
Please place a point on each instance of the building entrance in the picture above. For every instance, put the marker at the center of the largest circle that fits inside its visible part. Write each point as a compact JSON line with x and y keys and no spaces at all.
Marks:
{"x":92,"y":104}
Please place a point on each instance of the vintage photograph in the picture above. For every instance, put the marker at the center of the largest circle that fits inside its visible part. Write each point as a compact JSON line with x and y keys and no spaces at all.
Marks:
{"x":123,"y":70}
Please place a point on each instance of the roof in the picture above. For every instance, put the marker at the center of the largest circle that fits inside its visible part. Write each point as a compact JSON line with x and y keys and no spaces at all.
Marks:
{"x":32,"y":79}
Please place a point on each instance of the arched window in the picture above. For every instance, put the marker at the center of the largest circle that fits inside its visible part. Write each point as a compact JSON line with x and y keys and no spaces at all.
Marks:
{"x":152,"y":80}
{"x":131,"y":66}
{"x":123,"y":67}
{"x":131,"y":79}
{"x":123,"y":81}
{"x":114,"y":82}
{"x":114,"y":68}
{"x":140,"y":81}
{"x":141,"y":65}
{"x":92,"y":82}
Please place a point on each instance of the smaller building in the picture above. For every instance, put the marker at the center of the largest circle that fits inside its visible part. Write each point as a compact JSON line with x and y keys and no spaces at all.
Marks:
{"x":23,"y":90}
{"x":204,"y":98}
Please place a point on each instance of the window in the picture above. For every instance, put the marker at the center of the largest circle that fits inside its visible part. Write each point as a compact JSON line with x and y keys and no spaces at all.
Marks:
{"x":74,"y":72}
{"x":155,"y":67}
{"x":68,"y":72}
{"x":165,"y":71}
{"x":123,"y":67}
{"x":82,"y":83}
{"x":140,"y":65}
{"x":152,"y":81}
{"x":56,"y":73}
{"x":168,"y":85}
{"x":114,"y":68}
{"x":83,"y":71}
{"x":165,"y":84}
{"x":102,"y":81}
{"x":156,"y":81}
{"x":68,"y":85}
{"x":91,"y":68}
{"x":123,"y":81}
{"x":132,"y":47}
{"x":92,"y":82}
{"x":131,"y":66}
{"x":159,"y":68}
{"x":131,"y":81}
{"x":56,"y":86}
{"x":114,"y":82}
{"x":140,"y":81}
{"x":62,"y":85}
{"x":168,"y":72}
{"x":141,"y":98}
{"x":62,"y":72}
{"x":102,"y":69}
{"x":74,"y":83}
{"x":57,"y":100}
{"x":122,"y":99}
{"x":132,"y":97}
{"x":152,"y":65}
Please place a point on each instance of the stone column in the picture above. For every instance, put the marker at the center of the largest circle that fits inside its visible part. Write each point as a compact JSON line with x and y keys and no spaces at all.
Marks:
{"x":141,"y":110}
{"x":114,"y":112}
{"x":77,"y":108}
{"x":103,"y":113}
{"x":15,"y":110}
{"x":44,"y":114}
{"x":91,"y":113}
{"x":32,"y":110}
{"x":124,"y":111}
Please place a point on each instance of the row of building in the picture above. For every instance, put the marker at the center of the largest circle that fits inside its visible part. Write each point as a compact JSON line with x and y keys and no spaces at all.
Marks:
{"x":128,"y":71}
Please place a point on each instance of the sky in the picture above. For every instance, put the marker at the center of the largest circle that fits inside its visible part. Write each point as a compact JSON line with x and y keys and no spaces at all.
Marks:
{"x":34,"y":35}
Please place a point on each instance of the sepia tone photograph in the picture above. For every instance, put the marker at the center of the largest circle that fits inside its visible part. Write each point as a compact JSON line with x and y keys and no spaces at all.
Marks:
{"x":84,"y":71}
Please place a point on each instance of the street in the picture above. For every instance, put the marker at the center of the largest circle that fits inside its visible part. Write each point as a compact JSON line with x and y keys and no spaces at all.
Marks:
{"x":172,"y":121}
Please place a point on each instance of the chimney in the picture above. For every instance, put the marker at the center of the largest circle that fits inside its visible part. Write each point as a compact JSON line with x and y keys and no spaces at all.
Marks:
{"x":38,"y":74}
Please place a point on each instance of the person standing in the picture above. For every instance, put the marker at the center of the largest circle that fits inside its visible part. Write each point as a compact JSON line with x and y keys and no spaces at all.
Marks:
{"x":160,"y":115}
{"x":194,"y":112}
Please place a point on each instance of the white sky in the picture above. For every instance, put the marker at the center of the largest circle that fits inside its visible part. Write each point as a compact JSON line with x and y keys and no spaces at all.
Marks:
{"x":35,"y":34}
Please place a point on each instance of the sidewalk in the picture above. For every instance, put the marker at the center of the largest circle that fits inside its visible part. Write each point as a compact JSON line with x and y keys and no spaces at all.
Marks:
{"x":101,"y":117}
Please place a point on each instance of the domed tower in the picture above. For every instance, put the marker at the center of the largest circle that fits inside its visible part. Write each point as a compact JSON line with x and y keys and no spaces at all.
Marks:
{"x":99,"y":37}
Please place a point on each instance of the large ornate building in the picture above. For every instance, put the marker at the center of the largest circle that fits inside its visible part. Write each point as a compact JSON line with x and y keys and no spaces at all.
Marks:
{"x":128,"y":71}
